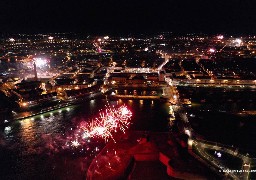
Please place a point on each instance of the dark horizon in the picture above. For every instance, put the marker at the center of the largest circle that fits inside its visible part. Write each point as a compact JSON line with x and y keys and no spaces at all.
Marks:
{"x":128,"y":16}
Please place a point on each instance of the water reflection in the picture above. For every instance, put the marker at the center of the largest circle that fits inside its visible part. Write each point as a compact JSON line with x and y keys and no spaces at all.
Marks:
{"x":152,"y":104}
{"x":28,"y":134}
{"x":119,"y":102}
{"x":130,"y":102}
{"x":45,"y":136}
{"x":141,"y":103}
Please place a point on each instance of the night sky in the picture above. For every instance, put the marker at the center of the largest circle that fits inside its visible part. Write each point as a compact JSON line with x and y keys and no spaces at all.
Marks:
{"x":128,"y":16}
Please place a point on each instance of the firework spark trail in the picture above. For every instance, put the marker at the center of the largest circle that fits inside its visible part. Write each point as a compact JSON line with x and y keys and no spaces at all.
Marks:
{"x":110,"y":121}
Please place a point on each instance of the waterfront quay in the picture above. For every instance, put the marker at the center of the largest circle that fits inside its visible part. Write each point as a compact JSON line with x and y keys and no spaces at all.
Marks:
{"x":136,"y":92}
{"x":215,"y":113}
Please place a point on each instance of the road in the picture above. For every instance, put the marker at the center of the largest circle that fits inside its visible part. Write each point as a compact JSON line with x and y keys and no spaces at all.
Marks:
{"x":201,"y":149}
{"x":201,"y":146}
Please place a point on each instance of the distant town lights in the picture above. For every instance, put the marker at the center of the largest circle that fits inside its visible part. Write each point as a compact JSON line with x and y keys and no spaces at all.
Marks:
{"x":220,"y":37}
{"x":218,"y":154}
{"x":188,"y":132}
{"x":238,"y":42}
{"x":190,"y":142}
{"x":40,"y":62}
{"x":11,"y":40}
{"x":211,"y":50}
{"x":106,"y":37}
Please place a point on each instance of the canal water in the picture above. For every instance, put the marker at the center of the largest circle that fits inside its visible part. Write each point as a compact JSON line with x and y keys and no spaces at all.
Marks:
{"x":35,"y":148}
{"x":224,"y":115}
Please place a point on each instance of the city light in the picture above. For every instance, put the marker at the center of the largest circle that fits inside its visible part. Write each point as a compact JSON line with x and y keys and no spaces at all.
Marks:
{"x":11,"y":39}
{"x":188,"y":132}
{"x":211,"y":50}
{"x":7,"y":129}
{"x":238,"y":42}
{"x":190,"y":143}
{"x":40,"y":62}
{"x":23,"y":104}
{"x":220,"y":37}
{"x":106,"y":37}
